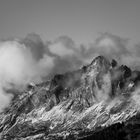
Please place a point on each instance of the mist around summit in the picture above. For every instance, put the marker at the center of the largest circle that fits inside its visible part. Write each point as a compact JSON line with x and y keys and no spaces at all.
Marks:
{"x":30,"y":59}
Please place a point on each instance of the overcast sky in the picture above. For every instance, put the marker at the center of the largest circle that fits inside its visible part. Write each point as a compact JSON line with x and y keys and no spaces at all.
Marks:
{"x":82,"y":20}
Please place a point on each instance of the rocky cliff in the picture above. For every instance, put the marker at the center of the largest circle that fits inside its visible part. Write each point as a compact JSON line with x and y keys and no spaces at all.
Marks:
{"x":99,"y":101}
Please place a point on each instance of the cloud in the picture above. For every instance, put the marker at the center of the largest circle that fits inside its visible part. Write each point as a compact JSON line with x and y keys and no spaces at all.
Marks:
{"x":109,"y":45}
{"x":35,"y":44}
{"x":18,"y":67}
{"x":66,"y":55}
{"x":30,"y":59}
{"x":113,"y":47}
{"x":58,"y":48}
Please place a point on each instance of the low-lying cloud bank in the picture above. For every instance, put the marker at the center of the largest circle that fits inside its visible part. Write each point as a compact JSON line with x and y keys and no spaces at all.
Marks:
{"x":31,"y":60}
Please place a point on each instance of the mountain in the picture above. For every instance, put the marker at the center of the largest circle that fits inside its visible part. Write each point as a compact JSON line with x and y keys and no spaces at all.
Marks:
{"x":99,"y":101}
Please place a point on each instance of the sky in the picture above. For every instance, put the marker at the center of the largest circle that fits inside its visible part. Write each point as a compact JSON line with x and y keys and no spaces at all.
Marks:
{"x":39,"y":38}
{"x":82,"y":20}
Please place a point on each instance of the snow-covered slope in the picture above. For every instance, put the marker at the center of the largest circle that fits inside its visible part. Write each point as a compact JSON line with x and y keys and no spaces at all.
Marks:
{"x":76,"y":105}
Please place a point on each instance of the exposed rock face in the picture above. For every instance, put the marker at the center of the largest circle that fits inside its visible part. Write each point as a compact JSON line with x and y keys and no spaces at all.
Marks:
{"x":98,"y":101}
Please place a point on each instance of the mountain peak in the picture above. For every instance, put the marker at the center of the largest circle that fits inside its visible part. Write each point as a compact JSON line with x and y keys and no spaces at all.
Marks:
{"x":74,"y":104}
{"x":100,"y":63}
{"x":99,"y":60}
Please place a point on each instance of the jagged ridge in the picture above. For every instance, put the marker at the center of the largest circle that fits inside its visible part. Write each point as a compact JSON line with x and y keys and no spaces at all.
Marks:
{"x":73,"y":105}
